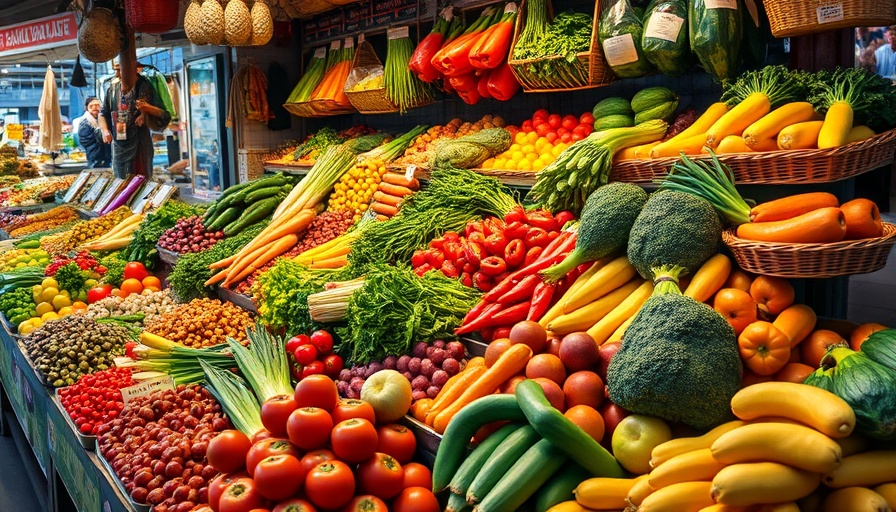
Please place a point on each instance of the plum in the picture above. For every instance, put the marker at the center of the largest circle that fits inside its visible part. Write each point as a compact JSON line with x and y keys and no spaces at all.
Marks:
{"x":390,"y":362}
{"x":420,"y":349}
{"x":427,"y":367}
{"x":439,"y":378}
{"x":451,"y":366}
{"x":402,"y":363}
{"x":433,"y":391}
{"x":438,"y":356}
{"x":455,"y":350}
{"x":414,"y":365}
{"x":420,"y":382}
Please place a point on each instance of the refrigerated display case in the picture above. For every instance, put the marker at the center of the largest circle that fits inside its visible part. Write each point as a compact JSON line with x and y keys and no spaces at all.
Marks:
{"x":208,"y":155}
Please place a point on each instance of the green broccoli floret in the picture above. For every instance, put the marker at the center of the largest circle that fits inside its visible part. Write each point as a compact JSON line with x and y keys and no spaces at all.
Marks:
{"x":673,"y":228}
{"x":604,"y":227}
{"x":679,"y":361}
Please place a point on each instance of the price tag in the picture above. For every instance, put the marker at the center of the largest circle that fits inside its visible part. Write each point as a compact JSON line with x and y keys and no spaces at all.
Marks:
{"x":349,"y":43}
{"x":15,"y":131}
{"x":147,"y":387}
{"x":664,"y":25}
{"x":620,"y":50}
{"x":721,"y":4}
{"x":334,"y":45}
{"x":510,"y":7}
{"x":397,"y":33}
{"x":829,"y":13}
{"x":409,"y":172}
{"x":320,"y":52}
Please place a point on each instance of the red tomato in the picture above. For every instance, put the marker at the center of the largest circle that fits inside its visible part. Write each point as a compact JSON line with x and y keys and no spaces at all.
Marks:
{"x":240,"y":496}
{"x":295,"y":341}
{"x":309,"y":427}
{"x":330,"y":484}
{"x":526,"y":127}
{"x":227,"y":451}
{"x":135,"y":270}
{"x":333,"y":364}
{"x":304,"y":354}
{"x":555,"y":121}
{"x":322,"y":340}
{"x":313,"y":368}
{"x":542,"y":129}
{"x":315,"y":457}
{"x":267,"y":447}
{"x":566,"y":137}
{"x":294,"y":505}
{"x":348,"y":408}
{"x":417,"y":475}
{"x":551,"y":137}
{"x":397,"y":441}
{"x":541,"y":114}
{"x":569,"y":122}
{"x":576,"y":137}
{"x":98,"y":293}
{"x":317,"y":391}
{"x":275,"y":412}
{"x":588,"y":128}
{"x":581,"y":131}
{"x":586,"y":118}
{"x":279,"y":476}
{"x":219,"y":484}
{"x":381,"y":475}
{"x":563,"y":131}
{"x":366,"y":503}
{"x":416,"y":499}
{"x":354,"y":440}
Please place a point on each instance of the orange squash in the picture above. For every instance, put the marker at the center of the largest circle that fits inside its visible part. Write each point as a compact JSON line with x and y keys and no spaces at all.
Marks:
{"x":764,"y":348}
{"x":796,"y":322}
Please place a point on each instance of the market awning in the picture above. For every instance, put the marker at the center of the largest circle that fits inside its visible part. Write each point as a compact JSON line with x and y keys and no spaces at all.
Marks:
{"x":53,"y":32}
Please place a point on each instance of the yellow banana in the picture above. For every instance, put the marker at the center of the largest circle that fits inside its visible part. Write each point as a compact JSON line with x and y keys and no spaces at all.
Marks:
{"x":640,"y":490}
{"x":888,"y":491}
{"x":820,"y":409}
{"x":718,"y":507}
{"x":695,"y":466}
{"x":673,"y":447}
{"x":793,"y":445}
{"x":855,"y":499}
{"x":758,"y":483}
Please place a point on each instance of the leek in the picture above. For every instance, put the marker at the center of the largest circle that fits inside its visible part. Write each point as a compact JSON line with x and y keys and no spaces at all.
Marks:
{"x":263,"y":363}
{"x":237,"y":400}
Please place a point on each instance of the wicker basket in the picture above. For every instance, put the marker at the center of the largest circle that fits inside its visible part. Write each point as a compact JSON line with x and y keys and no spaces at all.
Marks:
{"x":798,"y":17}
{"x":588,"y":70}
{"x":308,"y":8}
{"x":373,"y":101}
{"x":812,"y":260}
{"x":777,"y":167}
{"x":152,"y":16}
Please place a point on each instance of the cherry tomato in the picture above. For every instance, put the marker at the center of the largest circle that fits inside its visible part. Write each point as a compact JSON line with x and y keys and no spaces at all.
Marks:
{"x":330,"y":484}
{"x":266,"y":448}
{"x":323,"y":340}
{"x":576,"y":137}
{"x":417,"y":475}
{"x":315,"y":457}
{"x":526,"y":127}
{"x":416,"y":499}
{"x":418,"y":258}
{"x":309,"y":427}
{"x":275,"y":411}
{"x":569,"y":122}
{"x":98,"y":293}
{"x":240,"y":496}
{"x":565,"y":137}
{"x":317,"y":391}
{"x":333,"y":364}
{"x":305,"y":354}
{"x":542,"y":129}
{"x":294,"y":505}
{"x":227,"y":451}
{"x":586,"y":118}
{"x":551,"y":137}
{"x":279,"y":476}
{"x":555,"y":121}
{"x":313,"y":368}
{"x":219,"y":484}
{"x":354,"y":440}
{"x":396,"y":440}
{"x":348,"y":408}
{"x":381,"y":475}
{"x":135,"y":270}
{"x":295,"y":341}
{"x":581,"y":130}
{"x":541,"y":113}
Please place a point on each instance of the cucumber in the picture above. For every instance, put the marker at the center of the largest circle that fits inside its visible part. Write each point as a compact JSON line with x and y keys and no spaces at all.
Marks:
{"x":255,"y":213}
{"x":210,"y":212}
{"x":456,"y":503}
{"x":664,"y":46}
{"x":552,"y":425}
{"x":661,"y":111}
{"x":226,"y":217}
{"x":461,"y":428}
{"x":504,"y":456}
{"x":560,"y":487}
{"x":651,"y":97}
{"x":613,"y":121}
{"x":612,"y":106}
{"x":471,"y":466}
{"x":262,"y":193}
{"x":524,"y":478}
{"x":715,"y":34}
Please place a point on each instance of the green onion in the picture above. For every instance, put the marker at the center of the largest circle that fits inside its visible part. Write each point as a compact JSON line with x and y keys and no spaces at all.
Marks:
{"x":264,"y":363}
{"x":331,"y":305}
{"x":403,"y":88}
{"x":392,"y":150}
{"x":714,"y":182}
{"x":237,"y":400}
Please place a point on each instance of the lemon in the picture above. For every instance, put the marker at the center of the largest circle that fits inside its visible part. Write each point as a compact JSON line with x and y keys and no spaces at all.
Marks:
{"x":524,"y":165}
{"x":61,"y":301}
{"x":500,"y":163}
{"x":51,"y":315}
{"x":48,"y":294}
{"x":37,"y":323}
{"x":44,"y":307}
{"x":26,"y":328}
{"x":510,"y":165}
{"x":531,"y":157}
{"x":538,"y":164}
{"x":513,"y":148}
{"x":489,"y":164}
{"x":517,"y":156}
{"x":36,"y":289}
{"x":520,"y":138}
{"x":20,"y":265}
{"x":64,"y":311}
{"x":49,"y":282}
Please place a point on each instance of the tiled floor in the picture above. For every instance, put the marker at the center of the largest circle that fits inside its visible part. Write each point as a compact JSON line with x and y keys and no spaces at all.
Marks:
{"x":872,"y":297}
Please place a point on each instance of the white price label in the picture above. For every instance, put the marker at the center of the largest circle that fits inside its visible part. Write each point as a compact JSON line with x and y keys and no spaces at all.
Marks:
{"x":320,"y":53}
{"x":721,"y":4}
{"x":620,"y":50}
{"x":829,"y":13}
{"x":334,"y":45}
{"x":349,"y":43}
{"x":397,"y":33}
{"x":147,"y":387}
{"x":409,"y":172}
{"x":664,"y":25}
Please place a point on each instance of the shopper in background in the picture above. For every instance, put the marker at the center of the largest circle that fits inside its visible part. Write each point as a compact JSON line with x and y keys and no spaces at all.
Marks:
{"x":885,"y":56}
{"x":99,"y":152}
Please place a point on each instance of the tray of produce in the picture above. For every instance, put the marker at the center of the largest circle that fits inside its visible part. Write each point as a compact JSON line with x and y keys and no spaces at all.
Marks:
{"x":168,"y":257}
{"x":203,"y":323}
{"x":243,"y":301}
{"x":41,"y":377}
{"x":88,"y":442}
{"x":93,"y":400}
{"x":139,"y":507}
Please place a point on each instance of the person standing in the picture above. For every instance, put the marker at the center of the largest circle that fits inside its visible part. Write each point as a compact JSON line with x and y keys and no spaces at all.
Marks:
{"x":99,"y":152}
{"x":885,"y":56}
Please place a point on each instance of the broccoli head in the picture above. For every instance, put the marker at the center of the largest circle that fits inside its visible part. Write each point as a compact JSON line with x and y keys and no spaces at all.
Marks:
{"x":679,"y":361}
{"x":673,"y":229}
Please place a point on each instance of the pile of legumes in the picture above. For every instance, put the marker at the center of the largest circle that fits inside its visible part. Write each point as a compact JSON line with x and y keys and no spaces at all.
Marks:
{"x":157,"y":447}
{"x":95,"y":398}
{"x":152,"y":304}
{"x":203,"y":323}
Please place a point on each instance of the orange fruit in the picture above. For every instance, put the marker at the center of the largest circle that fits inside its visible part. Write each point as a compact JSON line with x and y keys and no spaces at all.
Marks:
{"x":129,"y":286}
{"x":736,"y":306}
{"x":772,"y":294}
{"x":588,"y":419}
{"x":153,"y":288}
{"x":79,"y":305}
{"x":149,"y":281}
{"x":861,"y":333}
{"x":548,"y":366}
{"x":815,"y":347}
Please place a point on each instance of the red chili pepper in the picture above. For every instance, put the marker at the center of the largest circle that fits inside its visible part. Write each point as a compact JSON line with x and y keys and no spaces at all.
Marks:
{"x":516,"y":214}
{"x":466,"y":279}
{"x":473,"y":252}
{"x":490,"y":52}
{"x":511,"y":315}
{"x":563,"y":217}
{"x":419,"y":258}
{"x":532,"y":256}
{"x":421,"y":59}
{"x":536,"y":237}
{"x":449,"y":269}
{"x":541,"y":219}
{"x":503,"y":286}
{"x":515,"y":230}
{"x":522,"y":290}
{"x":541,"y":301}
{"x":492,"y":266}
{"x":502,"y":83}
{"x":495,"y":244}
{"x":435,"y":258}
{"x":480,"y":321}
{"x":482,"y":282}
{"x":482,"y":85}
{"x":514,"y":253}
{"x":564,"y":243}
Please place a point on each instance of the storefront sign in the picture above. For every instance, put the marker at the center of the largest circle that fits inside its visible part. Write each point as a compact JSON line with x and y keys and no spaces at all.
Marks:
{"x":365,"y":16}
{"x":49,"y":32}
{"x":15,"y":132}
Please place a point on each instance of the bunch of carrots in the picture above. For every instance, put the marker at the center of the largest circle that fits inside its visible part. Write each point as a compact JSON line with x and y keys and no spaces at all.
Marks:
{"x":339,"y":65}
{"x":290,"y":219}
{"x":390,"y":193}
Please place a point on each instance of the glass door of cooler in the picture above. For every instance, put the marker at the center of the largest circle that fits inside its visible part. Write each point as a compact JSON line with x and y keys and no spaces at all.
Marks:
{"x":206,"y":126}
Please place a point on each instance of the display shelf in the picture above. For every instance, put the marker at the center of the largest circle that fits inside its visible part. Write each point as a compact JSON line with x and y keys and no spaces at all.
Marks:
{"x":243,"y":301}
{"x":86,"y":442}
{"x":427,"y":439}
{"x":119,"y":487}
{"x":167,"y":257}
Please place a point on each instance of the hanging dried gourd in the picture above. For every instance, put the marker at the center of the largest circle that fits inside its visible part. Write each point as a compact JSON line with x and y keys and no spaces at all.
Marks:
{"x":193,"y":23}
{"x":212,"y":22}
{"x":262,"y":24}
{"x":99,"y":36}
{"x":237,"y":23}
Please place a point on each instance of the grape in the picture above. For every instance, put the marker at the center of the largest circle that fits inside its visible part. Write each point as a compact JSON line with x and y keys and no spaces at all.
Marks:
{"x":455,"y":350}
{"x":402,"y":363}
{"x":439,"y":344}
{"x":439,"y":378}
{"x":357,"y":371}
{"x":429,"y":351}
{"x":451,"y":366}
{"x":418,"y":394}
{"x":353,"y":394}
{"x":433,"y":391}
{"x":420,"y":382}
{"x":342,"y":386}
{"x":345,"y":375}
{"x":409,"y":376}
{"x":427,"y":367}
{"x":414,"y":365}
{"x":438,"y":356}
{"x":390,"y":362}
{"x":356,"y":384}
{"x":420,"y":350}
{"x":373,"y":368}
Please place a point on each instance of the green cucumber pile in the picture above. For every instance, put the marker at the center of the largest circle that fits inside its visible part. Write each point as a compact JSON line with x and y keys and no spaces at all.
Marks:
{"x":246,"y":204}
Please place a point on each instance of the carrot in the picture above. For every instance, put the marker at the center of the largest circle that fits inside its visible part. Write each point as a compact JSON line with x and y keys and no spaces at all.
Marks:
{"x":220,"y":276}
{"x":792,"y":206}
{"x":380,"y":217}
{"x":279,"y":247}
{"x":394,"y":190}
{"x":398,"y":179}
{"x":452,"y":390}
{"x":293,"y":225}
{"x":334,"y":262}
{"x":388,"y":199}
{"x":242,"y":263}
{"x":511,"y":362}
{"x":823,"y":225}
{"x":226,"y":262}
{"x":384,"y":209}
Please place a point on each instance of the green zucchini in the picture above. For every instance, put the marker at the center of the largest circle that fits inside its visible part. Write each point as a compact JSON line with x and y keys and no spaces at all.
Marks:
{"x":662,"y":111}
{"x":470,"y":467}
{"x":611,"y":107}
{"x":715,"y":35}
{"x":560,"y":487}
{"x":229,"y":191}
{"x":210,"y":213}
{"x":620,"y":38}
{"x":226,"y":217}
{"x":613,"y":121}
{"x":457,"y":503}
{"x":254,"y":213}
{"x":499,"y":407}
{"x":665,"y":37}
{"x":504,"y":456}
{"x":524,"y":478}
{"x":262,"y":193}
{"x":551,"y":424}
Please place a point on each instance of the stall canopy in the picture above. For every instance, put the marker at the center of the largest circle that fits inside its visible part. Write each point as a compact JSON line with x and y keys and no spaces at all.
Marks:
{"x":57,"y":33}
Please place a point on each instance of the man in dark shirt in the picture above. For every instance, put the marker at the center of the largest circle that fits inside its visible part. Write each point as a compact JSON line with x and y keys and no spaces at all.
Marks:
{"x":99,"y":152}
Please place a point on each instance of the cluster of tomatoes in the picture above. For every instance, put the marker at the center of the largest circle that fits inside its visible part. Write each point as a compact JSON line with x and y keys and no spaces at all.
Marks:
{"x":319,"y":452}
{"x":135,"y":279}
{"x":554,"y":127}
{"x":95,"y":398}
{"x":313,"y":355}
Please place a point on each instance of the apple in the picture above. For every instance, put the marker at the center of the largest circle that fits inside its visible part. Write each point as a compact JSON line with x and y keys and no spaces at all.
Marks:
{"x":553,"y":347}
{"x":389,"y":393}
{"x":612,"y":415}
{"x":634,"y":440}
{"x":607,"y":351}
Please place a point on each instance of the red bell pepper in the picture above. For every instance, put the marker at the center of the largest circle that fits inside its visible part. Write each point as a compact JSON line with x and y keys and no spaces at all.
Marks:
{"x":516,"y":214}
{"x":449,"y":269}
{"x":515,"y":230}
{"x":435,"y":258}
{"x":521,"y":291}
{"x":492,"y":266}
{"x":472,"y":252}
{"x":421,"y":59}
{"x":536,"y":237}
{"x":490,"y":52}
{"x":514,"y":253}
{"x":541,"y":301}
{"x":542,"y":219}
{"x":473,"y":226}
{"x":422,"y":269}
{"x":563,"y":217}
{"x":492,"y":225}
{"x":482,"y":85}
{"x":495,"y":244}
{"x":466,"y":279}
{"x":419,"y":258}
{"x":452,"y":250}
{"x":477,"y":237}
{"x":502,"y":83}
{"x":454,"y":58}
